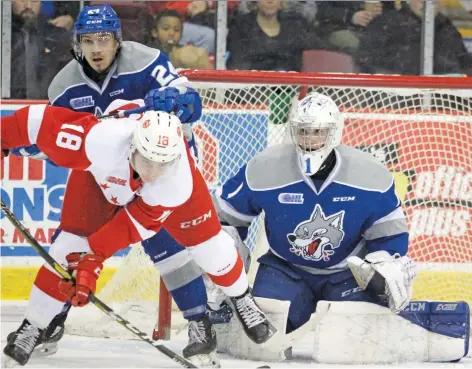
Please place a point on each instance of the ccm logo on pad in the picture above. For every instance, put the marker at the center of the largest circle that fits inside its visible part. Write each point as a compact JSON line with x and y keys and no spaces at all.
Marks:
{"x":196,"y":221}
{"x":450,"y":307}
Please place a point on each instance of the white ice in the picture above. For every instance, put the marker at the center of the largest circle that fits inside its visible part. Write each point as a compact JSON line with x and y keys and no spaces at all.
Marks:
{"x":84,"y":352}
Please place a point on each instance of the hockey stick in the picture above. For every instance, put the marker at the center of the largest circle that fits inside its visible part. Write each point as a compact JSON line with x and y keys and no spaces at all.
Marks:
{"x":127,"y":113}
{"x":92,"y":298}
{"x":124,"y":113}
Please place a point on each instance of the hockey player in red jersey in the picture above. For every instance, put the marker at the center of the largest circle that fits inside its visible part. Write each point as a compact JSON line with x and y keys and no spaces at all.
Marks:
{"x":106,"y":69}
{"x":146,"y":169}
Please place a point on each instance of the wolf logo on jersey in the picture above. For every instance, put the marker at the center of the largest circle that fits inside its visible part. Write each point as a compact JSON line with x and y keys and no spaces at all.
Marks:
{"x":316,"y":238}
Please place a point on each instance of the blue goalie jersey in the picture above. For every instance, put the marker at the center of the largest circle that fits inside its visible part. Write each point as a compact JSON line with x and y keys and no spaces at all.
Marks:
{"x":137,"y":70}
{"x":354,"y":212}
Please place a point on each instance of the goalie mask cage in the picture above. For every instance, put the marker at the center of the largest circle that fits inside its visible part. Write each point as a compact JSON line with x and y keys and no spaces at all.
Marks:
{"x":419,"y":127}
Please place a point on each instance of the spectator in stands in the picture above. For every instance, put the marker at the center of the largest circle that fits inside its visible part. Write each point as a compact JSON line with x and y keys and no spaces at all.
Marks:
{"x":39,"y":50}
{"x":201,"y":12}
{"x":267,"y":39}
{"x":61,"y":13}
{"x":306,"y":9}
{"x":167,"y":32}
{"x":342,"y":22}
{"x":392,"y":44}
{"x":199,"y":20}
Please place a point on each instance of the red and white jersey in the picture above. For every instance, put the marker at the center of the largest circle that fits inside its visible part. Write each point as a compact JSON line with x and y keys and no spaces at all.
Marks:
{"x":80,"y":141}
{"x":116,"y":182}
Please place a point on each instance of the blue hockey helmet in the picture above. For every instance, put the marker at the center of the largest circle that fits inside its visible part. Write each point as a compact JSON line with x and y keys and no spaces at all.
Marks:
{"x":97,"y":19}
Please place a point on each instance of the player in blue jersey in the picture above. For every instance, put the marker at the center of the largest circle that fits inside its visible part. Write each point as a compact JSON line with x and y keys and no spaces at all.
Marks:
{"x":105,"y":69}
{"x":336,"y":232}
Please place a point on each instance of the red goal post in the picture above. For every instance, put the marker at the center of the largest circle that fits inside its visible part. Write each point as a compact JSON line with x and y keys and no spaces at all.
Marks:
{"x":419,"y":127}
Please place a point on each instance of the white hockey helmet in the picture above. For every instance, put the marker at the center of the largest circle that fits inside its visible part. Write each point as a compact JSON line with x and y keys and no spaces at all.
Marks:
{"x":316,"y":128}
{"x":157,"y":142}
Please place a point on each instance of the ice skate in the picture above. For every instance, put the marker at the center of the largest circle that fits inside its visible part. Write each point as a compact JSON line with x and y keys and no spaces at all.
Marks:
{"x":48,"y":344}
{"x":201,"y":348}
{"x":20,"y":344}
{"x":254,"y":321}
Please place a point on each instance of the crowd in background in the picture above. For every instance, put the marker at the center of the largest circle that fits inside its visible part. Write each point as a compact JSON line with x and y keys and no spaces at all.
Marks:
{"x":374,"y":36}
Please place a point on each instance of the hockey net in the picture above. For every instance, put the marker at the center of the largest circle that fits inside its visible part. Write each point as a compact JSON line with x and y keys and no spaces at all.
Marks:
{"x":420,"y":127}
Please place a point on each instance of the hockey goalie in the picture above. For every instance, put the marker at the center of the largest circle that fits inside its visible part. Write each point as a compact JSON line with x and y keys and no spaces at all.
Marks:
{"x":337,"y":262}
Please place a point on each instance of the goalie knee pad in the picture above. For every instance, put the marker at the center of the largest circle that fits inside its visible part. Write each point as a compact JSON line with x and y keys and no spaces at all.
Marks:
{"x":232,"y":339}
{"x":365,"y":333}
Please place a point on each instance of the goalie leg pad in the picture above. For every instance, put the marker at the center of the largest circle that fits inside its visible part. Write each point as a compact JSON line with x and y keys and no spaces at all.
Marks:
{"x":364,"y":333}
{"x":233,"y":341}
{"x":444,"y":320}
{"x":288,"y":304}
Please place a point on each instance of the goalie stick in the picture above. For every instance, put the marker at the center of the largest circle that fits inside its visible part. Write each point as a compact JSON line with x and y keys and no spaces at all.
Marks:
{"x":92,"y":298}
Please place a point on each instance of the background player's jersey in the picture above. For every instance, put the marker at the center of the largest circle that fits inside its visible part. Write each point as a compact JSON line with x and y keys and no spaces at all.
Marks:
{"x":137,"y":70}
{"x":80,"y":141}
{"x":354,"y":212}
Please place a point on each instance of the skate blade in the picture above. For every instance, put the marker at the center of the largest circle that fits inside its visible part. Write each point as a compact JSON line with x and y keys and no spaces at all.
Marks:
{"x":205,"y":361}
{"x":45,"y":349}
{"x":8,"y":362}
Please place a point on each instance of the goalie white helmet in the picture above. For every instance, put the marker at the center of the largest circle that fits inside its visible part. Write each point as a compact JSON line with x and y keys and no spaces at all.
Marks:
{"x":316,"y":128}
{"x":157,"y":143}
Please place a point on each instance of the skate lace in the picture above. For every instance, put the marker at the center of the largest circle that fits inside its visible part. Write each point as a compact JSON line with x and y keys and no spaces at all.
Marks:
{"x":249,"y":311}
{"x":27,"y":337}
{"x":196,"y":332}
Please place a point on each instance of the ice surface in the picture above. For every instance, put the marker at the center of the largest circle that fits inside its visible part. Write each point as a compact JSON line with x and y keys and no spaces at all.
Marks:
{"x":84,"y":352}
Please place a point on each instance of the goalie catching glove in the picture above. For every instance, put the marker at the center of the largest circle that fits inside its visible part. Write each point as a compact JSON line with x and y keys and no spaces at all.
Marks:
{"x":397,"y":271}
{"x":85,"y":268}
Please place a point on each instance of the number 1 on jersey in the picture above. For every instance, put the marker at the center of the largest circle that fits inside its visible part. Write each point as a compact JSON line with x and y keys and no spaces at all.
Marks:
{"x":307,"y":166}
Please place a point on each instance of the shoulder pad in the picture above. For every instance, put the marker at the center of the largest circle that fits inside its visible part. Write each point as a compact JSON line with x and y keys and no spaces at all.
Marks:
{"x":68,"y":77}
{"x":273,"y":168}
{"x":361,"y":170}
{"x":135,"y":57}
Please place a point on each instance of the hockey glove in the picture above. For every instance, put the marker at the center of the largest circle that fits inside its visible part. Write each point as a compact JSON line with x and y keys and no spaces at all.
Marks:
{"x":86,"y":269}
{"x":398,"y":272}
{"x":32,"y":152}
{"x":185,"y":102}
